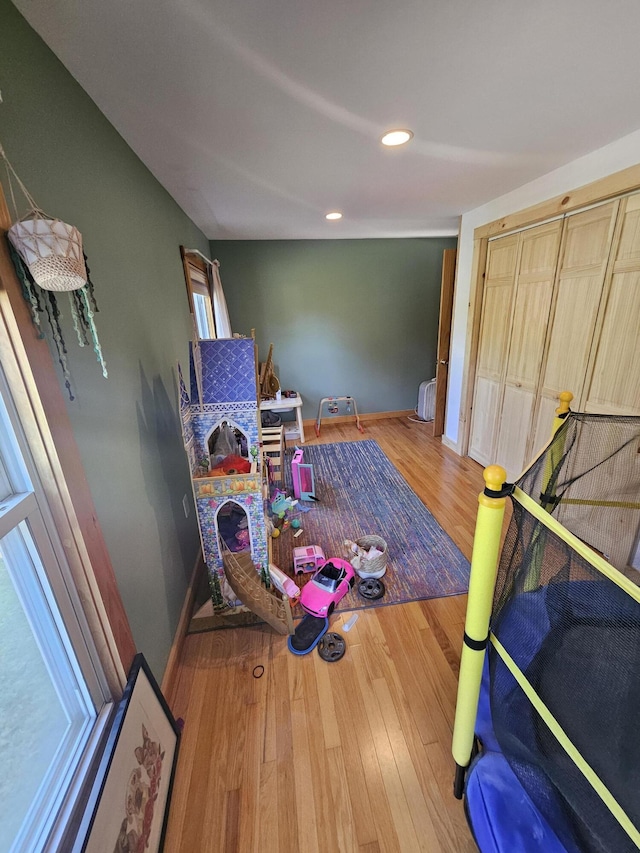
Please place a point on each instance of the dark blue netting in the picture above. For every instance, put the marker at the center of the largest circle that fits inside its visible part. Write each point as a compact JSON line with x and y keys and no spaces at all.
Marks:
{"x":589,"y":480}
{"x":575,"y":634}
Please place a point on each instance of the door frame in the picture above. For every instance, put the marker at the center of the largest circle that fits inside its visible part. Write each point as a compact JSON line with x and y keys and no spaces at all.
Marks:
{"x":602,"y":190}
{"x":443,"y":350}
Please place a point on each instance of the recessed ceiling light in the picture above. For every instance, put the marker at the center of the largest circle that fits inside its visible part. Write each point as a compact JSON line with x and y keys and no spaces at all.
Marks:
{"x":396,"y":137}
{"x":335,"y":214}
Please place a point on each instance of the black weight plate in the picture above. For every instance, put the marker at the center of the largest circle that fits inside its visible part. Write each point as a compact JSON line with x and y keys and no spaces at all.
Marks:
{"x":371,"y":588}
{"x":332,"y":647}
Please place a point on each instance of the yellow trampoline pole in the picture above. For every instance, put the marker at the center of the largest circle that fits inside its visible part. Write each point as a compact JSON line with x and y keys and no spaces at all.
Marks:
{"x":554,"y":454}
{"x":554,"y":451}
{"x":482,"y":581}
{"x":564,"y":398}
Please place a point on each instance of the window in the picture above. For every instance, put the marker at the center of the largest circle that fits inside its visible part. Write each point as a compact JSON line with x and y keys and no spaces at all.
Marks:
{"x":204,"y":318}
{"x":53,"y":697}
{"x":197,"y":280}
{"x":207,"y":302}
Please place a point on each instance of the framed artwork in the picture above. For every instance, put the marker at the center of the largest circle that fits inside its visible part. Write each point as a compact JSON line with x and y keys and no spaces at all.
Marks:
{"x":129,"y":804}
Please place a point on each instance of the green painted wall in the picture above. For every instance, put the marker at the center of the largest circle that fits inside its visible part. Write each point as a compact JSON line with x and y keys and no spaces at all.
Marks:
{"x":79,"y":169}
{"x":356,"y":317}
{"x":346,"y":317}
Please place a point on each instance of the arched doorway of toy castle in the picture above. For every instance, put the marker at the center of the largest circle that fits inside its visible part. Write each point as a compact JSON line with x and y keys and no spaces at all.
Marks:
{"x":232,"y":522}
{"x":228,"y":448}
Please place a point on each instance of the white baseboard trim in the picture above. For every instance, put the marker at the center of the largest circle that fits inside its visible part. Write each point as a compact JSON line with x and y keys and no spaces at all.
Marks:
{"x":452,"y":445}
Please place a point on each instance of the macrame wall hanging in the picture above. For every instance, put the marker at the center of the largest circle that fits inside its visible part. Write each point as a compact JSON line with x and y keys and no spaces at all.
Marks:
{"x":49,"y":261}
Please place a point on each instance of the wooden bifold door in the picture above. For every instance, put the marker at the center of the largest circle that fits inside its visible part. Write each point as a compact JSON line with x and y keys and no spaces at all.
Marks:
{"x":560,"y":311}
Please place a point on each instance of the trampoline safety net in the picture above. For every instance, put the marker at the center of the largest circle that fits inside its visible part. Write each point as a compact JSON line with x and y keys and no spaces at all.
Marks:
{"x":573,"y":632}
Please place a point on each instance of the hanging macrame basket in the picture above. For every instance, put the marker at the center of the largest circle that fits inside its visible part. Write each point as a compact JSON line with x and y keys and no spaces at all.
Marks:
{"x":47,"y":255}
{"x":52,"y":250}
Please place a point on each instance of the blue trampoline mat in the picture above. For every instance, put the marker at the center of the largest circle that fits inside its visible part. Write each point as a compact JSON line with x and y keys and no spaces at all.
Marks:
{"x":502,"y":817}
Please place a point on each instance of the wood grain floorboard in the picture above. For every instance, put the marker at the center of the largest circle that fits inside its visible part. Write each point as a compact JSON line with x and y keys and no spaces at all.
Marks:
{"x":352,"y":756}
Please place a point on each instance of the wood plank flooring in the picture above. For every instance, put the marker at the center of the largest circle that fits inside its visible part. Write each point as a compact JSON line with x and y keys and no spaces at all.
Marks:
{"x":315,"y":757}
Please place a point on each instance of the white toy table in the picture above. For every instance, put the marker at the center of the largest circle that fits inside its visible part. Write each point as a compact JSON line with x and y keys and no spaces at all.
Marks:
{"x":284,"y":405}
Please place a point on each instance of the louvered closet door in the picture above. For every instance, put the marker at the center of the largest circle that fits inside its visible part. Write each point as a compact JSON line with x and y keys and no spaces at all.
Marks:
{"x":614,"y":386}
{"x":615,"y":381}
{"x":533,"y":294}
{"x":585,"y":250}
{"x":495,"y":325}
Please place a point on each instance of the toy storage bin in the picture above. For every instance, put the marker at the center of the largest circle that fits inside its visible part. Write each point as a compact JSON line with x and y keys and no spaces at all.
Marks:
{"x":376,"y":567}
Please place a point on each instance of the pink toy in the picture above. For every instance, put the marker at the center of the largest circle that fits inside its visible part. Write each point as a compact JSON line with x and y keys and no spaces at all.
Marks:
{"x":302,"y":476}
{"x":283,"y":583}
{"x":327,"y":587}
{"x":243,"y":537}
{"x":307,"y":558}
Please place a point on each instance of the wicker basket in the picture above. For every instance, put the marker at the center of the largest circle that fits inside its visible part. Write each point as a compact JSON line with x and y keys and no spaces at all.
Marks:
{"x":377,"y":566}
{"x":52,"y":250}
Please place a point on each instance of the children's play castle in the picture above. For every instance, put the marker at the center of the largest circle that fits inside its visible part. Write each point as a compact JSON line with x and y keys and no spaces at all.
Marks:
{"x":220,"y":426}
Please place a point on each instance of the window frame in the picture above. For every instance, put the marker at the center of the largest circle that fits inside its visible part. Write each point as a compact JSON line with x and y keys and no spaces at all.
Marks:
{"x":49,"y":600}
{"x":198,"y":283}
{"x":29,"y":504}
{"x":71,"y":526}
{"x":42,"y":410}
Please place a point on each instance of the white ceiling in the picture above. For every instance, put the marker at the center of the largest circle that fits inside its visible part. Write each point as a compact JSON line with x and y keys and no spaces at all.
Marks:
{"x":259,"y":116}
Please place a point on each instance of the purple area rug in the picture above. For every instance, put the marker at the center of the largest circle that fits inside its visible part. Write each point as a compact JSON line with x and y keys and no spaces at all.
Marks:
{"x":362,"y":493}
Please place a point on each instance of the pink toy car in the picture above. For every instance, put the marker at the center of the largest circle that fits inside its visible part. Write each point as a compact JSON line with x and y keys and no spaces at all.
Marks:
{"x":327,"y":587}
{"x":307,"y":558}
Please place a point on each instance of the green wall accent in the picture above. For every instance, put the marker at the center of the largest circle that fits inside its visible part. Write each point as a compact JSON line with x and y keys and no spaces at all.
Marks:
{"x":346,"y":317}
{"x":80,"y":169}
{"x":356,"y":317}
